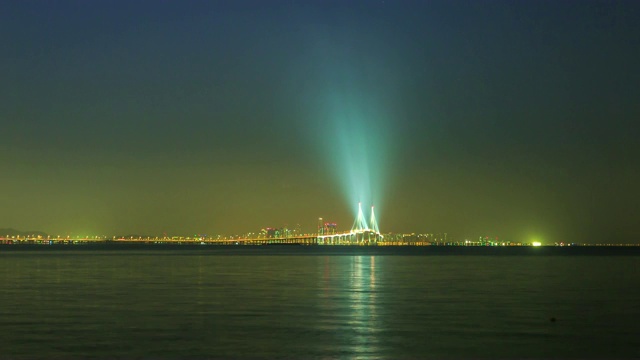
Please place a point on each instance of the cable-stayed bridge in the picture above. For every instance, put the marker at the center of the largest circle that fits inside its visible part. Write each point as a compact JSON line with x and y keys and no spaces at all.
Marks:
{"x":362,"y":232}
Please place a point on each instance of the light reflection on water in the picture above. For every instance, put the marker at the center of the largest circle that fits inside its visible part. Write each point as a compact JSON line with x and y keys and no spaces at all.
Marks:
{"x":192,"y":305}
{"x":362,"y":296}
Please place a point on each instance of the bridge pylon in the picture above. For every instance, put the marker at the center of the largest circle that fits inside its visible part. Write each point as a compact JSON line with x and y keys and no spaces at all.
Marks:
{"x":373,"y":224}
{"x":362,"y":232}
{"x":360,"y":224}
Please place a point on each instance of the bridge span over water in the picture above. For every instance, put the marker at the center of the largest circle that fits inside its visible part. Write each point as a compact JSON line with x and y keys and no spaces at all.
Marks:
{"x":353,"y":237}
{"x":362,"y":233}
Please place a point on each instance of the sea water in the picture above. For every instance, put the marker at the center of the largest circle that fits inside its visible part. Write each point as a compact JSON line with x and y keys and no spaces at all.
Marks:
{"x":212,"y":304}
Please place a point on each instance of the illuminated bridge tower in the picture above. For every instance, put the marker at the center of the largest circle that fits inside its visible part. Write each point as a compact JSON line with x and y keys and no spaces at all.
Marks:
{"x":360,"y":224}
{"x":362,"y":233}
{"x":373,"y":224}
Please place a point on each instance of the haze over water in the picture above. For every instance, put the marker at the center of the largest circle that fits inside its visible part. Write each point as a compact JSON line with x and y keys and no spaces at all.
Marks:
{"x":253,"y":305}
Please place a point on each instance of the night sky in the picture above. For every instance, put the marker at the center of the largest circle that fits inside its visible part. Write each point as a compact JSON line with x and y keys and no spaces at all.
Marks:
{"x":515,"y":119}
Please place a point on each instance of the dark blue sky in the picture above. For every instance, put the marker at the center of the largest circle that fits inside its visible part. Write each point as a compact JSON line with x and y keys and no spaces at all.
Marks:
{"x":510,"y":118}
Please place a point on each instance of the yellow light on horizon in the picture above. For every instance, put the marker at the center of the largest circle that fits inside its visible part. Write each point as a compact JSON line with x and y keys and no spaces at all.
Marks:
{"x":536,"y":243}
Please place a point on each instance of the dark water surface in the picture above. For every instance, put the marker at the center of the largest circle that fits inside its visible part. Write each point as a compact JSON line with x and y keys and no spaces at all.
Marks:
{"x":194,"y":304}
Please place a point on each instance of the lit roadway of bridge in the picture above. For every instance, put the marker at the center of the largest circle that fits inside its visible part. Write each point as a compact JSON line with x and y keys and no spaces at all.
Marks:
{"x":354,"y":237}
{"x":362,"y":233}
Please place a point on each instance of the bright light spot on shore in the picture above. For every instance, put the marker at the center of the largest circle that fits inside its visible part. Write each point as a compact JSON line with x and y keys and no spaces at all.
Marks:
{"x":536,"y":243}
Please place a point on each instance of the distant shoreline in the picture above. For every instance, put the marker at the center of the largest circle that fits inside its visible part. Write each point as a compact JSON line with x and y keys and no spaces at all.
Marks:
{"x":333,"y":250}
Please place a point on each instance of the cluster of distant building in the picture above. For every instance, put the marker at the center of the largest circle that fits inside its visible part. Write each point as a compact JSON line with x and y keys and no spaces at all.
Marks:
{"x":324,"y":228}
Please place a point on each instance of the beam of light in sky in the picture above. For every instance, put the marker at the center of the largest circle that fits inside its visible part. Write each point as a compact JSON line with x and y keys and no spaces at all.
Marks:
{"x":352,"y":103}
{"x":354,"y":156}
{"x":356,"y":147}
